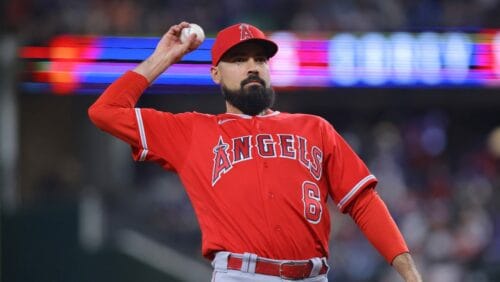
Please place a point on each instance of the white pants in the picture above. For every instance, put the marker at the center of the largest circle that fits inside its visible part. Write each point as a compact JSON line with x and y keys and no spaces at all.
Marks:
{"x":222,"y":274}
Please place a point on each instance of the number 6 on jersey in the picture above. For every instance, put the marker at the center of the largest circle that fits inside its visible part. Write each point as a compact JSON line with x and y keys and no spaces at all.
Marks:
{"x":312,"y":202}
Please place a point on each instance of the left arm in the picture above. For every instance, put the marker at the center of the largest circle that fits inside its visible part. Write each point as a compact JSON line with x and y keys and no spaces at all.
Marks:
{"x":373,"y":218}
{"x":351,"y":187}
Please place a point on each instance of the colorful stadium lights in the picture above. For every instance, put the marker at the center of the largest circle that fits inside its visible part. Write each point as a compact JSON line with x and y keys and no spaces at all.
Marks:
{"x":87,"y":64}
{"x":496,"y":53}
{"x":285,"y":65}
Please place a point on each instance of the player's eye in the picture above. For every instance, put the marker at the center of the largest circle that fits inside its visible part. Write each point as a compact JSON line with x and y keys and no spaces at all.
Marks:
{"x":239,"y":59}
{"x":261,"y":59}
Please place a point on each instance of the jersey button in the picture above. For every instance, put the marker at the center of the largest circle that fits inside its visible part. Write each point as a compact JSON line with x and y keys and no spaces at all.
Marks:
{"x":271,"y":195}
{"x":277,"y":228}
{"x":266,"y":165}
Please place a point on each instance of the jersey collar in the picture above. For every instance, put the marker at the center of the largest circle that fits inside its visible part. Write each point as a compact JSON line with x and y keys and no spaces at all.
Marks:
{"x":268,"y":113}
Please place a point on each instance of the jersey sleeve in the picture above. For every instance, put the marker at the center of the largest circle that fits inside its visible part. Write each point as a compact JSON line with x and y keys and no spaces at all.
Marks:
{"x":373,"y":218}
{"x":153,"y":135}
{"x":347,"y":174}
{"x":163,"y":137}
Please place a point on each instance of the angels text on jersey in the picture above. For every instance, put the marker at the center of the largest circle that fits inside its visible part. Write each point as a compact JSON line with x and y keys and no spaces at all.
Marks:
{"x":228,"y":153}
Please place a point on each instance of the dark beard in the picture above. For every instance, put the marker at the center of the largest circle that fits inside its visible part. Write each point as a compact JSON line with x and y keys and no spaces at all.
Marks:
{"x":250,"y":100}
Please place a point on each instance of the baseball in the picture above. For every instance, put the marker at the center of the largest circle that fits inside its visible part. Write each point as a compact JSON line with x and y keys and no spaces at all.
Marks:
{"x":193,"y":28}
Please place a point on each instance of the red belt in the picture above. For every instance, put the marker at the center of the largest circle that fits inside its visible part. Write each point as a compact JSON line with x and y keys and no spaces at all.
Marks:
{"x":290,"y":270}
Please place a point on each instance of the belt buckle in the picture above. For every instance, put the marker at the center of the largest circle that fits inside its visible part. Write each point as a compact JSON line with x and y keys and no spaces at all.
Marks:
{"x":290,"y":263}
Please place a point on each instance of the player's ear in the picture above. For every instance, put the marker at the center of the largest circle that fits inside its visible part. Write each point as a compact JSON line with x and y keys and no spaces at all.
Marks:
{"x":214,"y":72}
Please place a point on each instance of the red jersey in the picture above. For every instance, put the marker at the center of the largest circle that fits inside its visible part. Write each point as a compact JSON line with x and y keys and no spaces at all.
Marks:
{"x":258,"y":184}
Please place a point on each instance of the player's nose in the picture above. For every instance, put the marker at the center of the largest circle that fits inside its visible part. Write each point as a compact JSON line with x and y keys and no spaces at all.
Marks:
{"x":252,"y":67}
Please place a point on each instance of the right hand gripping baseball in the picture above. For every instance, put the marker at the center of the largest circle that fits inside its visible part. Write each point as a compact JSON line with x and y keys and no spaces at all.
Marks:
{"x":171,"y":46}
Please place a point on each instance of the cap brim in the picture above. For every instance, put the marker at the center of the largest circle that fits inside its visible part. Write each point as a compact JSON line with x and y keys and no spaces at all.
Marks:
{"x":270,"y":47}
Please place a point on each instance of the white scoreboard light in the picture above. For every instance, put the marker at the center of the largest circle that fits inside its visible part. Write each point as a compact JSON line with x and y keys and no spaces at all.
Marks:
{"x":402,"y":57}
{"x":375,"y":59}
{"x":457,"y":52}
{"x":342,"y":55}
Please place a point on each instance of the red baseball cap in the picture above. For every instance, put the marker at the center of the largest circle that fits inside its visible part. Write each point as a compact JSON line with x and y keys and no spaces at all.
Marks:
{"x":239,"y":33}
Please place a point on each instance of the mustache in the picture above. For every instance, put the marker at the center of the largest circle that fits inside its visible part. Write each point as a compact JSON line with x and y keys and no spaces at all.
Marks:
{"x":253,"y":78}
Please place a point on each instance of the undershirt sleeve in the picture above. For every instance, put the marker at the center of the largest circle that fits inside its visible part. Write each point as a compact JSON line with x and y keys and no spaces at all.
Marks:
{"x":373,"y":218}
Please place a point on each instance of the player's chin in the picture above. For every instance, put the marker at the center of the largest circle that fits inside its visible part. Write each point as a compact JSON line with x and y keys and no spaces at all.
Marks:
{"x":253,"y":87}
{"x":253,"y":83}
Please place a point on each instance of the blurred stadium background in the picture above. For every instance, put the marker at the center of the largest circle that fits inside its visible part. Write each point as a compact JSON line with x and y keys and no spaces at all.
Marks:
{"x":414,"y":86}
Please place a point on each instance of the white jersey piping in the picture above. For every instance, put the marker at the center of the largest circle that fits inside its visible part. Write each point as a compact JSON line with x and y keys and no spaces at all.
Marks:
{"x":142,"y":135}
{"x":355,"y":189}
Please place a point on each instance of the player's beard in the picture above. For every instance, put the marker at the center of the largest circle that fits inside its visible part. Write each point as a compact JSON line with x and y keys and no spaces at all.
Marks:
{"x":250,"y":100}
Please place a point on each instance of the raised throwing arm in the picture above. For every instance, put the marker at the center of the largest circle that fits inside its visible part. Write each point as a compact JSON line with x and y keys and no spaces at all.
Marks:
{"x":169,"y":51}
{"x":114,"y":110}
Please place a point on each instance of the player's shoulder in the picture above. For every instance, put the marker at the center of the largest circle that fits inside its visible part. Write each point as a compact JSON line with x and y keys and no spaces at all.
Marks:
{"x":201,"y":119}
{"x":302,"y":117}
{"x":185,"y":117}
{"x":195,"y":116}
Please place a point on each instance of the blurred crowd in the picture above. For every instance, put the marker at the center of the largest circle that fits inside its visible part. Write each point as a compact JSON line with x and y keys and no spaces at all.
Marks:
{"x":38,"y":20}
{"x":440,"y":186}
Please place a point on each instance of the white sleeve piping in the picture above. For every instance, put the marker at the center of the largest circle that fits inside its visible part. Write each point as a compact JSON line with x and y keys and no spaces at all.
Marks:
{"x":355,"y":189}
{"x":142,"y":134}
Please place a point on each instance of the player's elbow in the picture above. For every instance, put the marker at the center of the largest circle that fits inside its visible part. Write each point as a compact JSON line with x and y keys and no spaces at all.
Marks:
{"x":97,"y":115}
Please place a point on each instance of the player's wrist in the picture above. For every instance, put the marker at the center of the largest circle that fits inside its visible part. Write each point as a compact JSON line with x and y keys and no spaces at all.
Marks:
{"x":153,"y":66}
{"x":406,"y":267}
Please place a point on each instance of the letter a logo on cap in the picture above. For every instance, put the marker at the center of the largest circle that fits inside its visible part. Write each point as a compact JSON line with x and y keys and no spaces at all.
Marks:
{"x":245,"y":32}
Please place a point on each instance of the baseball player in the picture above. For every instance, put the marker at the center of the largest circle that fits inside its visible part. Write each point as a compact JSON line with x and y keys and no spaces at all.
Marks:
{"x":258,"y":179}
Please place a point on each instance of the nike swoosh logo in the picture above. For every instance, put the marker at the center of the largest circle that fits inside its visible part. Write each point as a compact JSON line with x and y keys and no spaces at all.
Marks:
{"x":225,"y":120}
